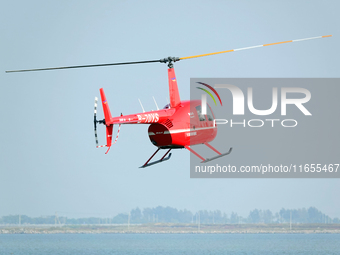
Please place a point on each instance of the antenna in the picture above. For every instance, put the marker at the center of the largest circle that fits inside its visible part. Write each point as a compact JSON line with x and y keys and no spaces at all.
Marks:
{"x":141,"y":105}
{"x":155,"y":102}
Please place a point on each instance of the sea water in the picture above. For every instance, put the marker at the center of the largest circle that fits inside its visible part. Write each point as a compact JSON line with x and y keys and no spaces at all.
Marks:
{"x":105,"y":244}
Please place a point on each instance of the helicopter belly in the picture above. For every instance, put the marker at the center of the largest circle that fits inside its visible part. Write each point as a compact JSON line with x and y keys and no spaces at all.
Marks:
{"x":163,"y":137}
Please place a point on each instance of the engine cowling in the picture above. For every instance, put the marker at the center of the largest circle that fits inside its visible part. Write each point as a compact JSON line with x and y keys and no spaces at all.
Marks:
{"x":159,"y":135}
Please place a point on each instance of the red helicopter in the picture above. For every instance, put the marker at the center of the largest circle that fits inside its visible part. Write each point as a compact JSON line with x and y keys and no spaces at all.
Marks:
{"x":180,"y":124}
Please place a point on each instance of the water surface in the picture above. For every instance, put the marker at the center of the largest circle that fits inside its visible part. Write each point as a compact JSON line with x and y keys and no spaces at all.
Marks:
{"x":198,"y":244}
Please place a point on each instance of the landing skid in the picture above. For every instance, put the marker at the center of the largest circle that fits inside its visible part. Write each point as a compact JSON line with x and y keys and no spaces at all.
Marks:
{"x":157,"y":161}
{"x":219,"y":156}
{"x":209,"y":159}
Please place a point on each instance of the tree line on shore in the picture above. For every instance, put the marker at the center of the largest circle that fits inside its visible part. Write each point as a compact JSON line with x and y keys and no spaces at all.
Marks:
{"x":172,"y":215}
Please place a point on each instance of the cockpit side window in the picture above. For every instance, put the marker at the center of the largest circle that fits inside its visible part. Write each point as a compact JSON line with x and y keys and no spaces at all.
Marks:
{"x":199,"y":113}
{"x":208,"y":117}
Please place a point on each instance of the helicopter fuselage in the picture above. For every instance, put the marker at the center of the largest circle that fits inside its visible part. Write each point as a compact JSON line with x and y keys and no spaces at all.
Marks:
{"x":187,"y":126}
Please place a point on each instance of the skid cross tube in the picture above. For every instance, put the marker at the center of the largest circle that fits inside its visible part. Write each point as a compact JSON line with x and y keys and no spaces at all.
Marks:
{"x":209,"y":159}
{"x":157,"y":161}
{"x":194,"y":152}
{"x":208,"y":145}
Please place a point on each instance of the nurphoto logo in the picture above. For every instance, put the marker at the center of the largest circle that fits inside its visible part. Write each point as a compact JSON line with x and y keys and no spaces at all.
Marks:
{"x":239,"y":104}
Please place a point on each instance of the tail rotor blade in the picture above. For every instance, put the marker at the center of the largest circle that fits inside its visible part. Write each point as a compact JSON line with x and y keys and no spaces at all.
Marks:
{"x":95,"y":120}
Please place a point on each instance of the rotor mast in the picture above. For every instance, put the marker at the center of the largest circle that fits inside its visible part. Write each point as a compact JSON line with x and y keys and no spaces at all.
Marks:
{"x":169,"y":60}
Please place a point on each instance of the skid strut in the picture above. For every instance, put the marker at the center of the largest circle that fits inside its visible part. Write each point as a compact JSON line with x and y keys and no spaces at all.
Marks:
{"x":209,"y":159}
{"x":157,"y":161}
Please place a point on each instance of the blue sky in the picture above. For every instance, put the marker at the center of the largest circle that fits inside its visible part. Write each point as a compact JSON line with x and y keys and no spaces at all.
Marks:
{"x":48,"y":158}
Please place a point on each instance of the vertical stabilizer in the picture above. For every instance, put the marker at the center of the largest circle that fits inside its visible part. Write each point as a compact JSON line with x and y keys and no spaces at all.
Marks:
{"x":106,"y":109}
{"x":109,"y":130}
{"x":108,"y":120}
{"x":173,"y":89}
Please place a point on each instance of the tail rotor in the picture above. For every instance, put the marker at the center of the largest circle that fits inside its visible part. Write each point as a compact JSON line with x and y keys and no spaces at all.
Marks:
{"x":106,"y":121}
{"x":95,"y":121}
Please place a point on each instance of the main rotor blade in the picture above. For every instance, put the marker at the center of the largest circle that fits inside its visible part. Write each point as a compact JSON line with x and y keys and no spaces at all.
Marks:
{"x":252,"y":47}
{"x":165,"y":60}
{"x":69,"y":67}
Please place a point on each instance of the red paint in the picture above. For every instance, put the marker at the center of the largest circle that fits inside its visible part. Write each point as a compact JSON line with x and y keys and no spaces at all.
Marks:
{"x":173,"y":88}
{"x":176,"y":127}
{"x":105,"y":104}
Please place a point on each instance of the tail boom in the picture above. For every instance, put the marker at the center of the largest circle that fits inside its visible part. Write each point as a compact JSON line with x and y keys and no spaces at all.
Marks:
{"x":144,"y":118}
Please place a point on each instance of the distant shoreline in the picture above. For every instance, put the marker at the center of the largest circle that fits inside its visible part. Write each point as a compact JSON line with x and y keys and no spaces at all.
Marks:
{"x":171,"y":228}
